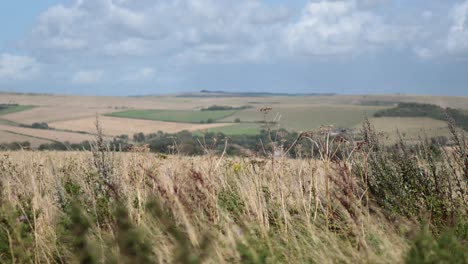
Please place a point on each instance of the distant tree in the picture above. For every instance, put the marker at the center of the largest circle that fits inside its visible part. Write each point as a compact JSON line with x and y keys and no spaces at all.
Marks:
{"x":139,"y":137}
{"x":41,"y":125}
{"x":237,"y":120}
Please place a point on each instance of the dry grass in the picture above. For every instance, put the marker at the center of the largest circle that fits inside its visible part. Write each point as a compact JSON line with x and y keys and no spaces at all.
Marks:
{"x":271,"y":208}
{"x":115,"y":126}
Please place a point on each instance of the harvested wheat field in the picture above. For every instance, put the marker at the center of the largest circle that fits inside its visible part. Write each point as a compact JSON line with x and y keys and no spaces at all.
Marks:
{"x":48,"y":134}
{"x":411,"y":129}
{"x":53,"y":113}
{"x":7,"y":137}
{"x":115,"y":126}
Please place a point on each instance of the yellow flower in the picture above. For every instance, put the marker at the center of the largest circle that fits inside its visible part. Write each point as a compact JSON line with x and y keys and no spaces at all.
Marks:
{"x":237,"y":167}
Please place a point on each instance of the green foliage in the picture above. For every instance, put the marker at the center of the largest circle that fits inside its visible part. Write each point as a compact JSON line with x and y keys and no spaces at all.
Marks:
{"x":255,"y":252}
{"x":73,"y":232}
{"x":446,"y":248}
{"x":15,"y":145}
{"x":134,"y":247}
{"x":399,"y":183}
{"x":41,"y":125}
{"x":186,"y":252}
{"x":230,"y":201}
{"x":16,"y":234}
{"x":139,"y":137}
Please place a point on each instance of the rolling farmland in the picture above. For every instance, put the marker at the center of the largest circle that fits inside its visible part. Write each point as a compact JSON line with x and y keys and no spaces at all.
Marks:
{"x":44,"y":134}
{"x":175,"y":115}
{"x":72,"y":117}
{"x":116,"y":126}
{"x":304,"y":118}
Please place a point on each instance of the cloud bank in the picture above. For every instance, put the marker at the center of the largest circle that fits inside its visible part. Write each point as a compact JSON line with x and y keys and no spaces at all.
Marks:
{"x":137,"y":39}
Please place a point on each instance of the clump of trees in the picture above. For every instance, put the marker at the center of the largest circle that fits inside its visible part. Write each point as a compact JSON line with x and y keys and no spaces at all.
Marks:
{"x":38,"y":125}
{"x":41,"y":125}
{"x":15,"y":145}
{"x":208,"y":121}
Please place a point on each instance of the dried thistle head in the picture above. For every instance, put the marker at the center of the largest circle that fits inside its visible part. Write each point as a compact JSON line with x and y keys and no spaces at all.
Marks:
{"x":307,"y":134}
{"x":265,"y":110}
{"x":326,"y":129}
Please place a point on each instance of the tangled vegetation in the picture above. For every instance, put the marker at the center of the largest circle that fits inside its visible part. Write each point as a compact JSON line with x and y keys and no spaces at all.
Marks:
{"x":340,"y":201}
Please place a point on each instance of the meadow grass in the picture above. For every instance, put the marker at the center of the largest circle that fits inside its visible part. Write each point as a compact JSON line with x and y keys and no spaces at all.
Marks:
{"x":303,"y":118}
{"x":359,"y":202}
{"x":183,"y":116}
{"x":180,"y":210}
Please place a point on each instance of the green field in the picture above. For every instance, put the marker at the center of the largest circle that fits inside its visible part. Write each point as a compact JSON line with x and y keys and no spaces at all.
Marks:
{"x":14,"y":109}
{"x":302,"y":118}
{"x":181,"y":116}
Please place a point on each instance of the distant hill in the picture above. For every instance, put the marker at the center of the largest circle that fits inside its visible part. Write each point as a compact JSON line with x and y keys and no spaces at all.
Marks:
{"x":209,"y":93}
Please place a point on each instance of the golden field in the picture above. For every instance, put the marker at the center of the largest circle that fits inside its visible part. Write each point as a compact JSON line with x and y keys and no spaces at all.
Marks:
{"x":116,"y":126}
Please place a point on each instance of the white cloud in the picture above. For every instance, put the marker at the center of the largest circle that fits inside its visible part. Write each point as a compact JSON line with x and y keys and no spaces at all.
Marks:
{"x":427,"y":14}
{"x":131,"y":47}
{"x":210,"y":31}
{"x":457,"y":40}
{"x":56,"y":26}
{"x":170,"y":29}
{"x":424,"y":53}
{"x":17,"y":67}
{"x":87,"y":77}
{"x":141,"y":74}
{"x":337,"y":27}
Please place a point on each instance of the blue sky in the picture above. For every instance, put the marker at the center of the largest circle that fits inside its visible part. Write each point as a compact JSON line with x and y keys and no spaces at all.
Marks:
{"x":129,"y":47}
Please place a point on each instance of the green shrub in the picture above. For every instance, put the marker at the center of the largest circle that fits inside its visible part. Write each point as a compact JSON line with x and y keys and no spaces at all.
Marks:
{"x":446,"y":248}
{"x":16,"y":233}
{"x":230,"y":201}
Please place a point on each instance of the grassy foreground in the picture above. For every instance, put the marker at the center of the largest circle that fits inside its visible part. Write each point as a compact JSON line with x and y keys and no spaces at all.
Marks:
{"x":359,"y":203}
